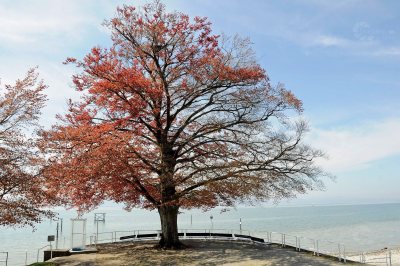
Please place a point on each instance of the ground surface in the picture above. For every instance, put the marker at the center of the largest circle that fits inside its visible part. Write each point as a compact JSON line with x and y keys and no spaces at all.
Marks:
{"x":199,"y":252}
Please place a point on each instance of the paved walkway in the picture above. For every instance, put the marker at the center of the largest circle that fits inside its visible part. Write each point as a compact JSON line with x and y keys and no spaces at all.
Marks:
{"x":200,"y":252}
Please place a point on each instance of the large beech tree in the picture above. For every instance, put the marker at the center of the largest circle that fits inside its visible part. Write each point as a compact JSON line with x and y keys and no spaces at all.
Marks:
{"x":21,"y":196}
{"x":173,"y":116}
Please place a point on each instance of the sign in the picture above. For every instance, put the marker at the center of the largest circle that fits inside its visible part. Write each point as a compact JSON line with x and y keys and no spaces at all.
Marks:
{"x":50,"y":238}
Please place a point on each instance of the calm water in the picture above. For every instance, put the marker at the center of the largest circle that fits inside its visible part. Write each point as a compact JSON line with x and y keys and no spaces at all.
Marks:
{"x":358,"y":227}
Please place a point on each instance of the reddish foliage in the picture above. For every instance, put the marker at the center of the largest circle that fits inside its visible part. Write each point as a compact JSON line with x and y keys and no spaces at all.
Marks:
{"x":174,"y":115}
{"x":21,"y":196}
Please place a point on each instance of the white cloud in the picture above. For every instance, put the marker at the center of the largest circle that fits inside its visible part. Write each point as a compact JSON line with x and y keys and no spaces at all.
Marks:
{"x":330,"y":40}
{"x":387,"y":51}
{"x":30,"y":22}
{"x":355,"y":147}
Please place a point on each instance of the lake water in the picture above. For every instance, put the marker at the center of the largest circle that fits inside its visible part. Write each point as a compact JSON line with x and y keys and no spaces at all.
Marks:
{"x":358,"y":227}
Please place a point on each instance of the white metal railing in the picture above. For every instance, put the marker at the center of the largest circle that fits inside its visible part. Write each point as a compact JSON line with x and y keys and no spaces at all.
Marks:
{"x":375,"y":258}
{"x":316,"y":246}
{"x":4,"y":260}
{"x":38,"y":252}
{"x":301,"y":243}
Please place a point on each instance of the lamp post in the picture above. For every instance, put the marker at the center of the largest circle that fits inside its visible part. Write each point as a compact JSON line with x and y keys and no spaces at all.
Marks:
{"x":212,"y":224}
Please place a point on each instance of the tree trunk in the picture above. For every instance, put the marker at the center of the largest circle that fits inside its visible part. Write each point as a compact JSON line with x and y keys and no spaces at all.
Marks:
{"x":169,"y":227}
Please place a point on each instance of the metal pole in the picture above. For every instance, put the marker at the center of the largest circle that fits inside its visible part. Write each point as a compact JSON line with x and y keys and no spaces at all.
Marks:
{"x":344,"y":253}
{"x":315,"y":250}
{"x":57,"y":235}
{"x":191,"y":220}
{"x":97,"y":231}
{"x":6,"y":258}
{"x":72,"y":234}
{"x":340,"y":253}
{"x":240,"y":225}
{"x":26,"y":257}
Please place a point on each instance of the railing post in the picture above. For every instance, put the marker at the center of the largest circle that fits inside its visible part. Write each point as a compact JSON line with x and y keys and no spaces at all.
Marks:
{"x":296,"y":243}
{"x":390,"y":258}
{"x":299,"y":244}
{"x":317,"y":247}
{"x":344,"y":253}
{"x":314,"y":247}
{"x":340,"y":253}
{"x":386,"y":258}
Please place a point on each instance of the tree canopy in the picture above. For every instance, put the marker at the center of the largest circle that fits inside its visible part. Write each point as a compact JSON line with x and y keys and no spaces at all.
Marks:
{"x":173,"y":116}
{"x":21,"y":196}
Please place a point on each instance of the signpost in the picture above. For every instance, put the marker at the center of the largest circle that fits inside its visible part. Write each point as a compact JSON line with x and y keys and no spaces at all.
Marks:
{"x":50,"y":239}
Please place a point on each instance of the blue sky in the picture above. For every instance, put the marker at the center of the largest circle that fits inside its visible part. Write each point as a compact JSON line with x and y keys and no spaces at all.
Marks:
{"x":342,"y":58}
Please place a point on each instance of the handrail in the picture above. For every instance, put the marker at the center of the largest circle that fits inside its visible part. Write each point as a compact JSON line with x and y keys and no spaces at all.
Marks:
{"x":37,"y":258}
{"x":300,"y":243}
{"x":374,"y":257}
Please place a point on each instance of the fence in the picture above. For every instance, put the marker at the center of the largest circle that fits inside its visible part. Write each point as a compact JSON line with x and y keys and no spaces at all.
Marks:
{"x":316,"y":246}
{"x":4,"y":257}
{"x":374,"y":258}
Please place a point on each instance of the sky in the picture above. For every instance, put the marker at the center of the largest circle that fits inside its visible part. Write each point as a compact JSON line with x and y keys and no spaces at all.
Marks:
{"x":341,"y":58}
